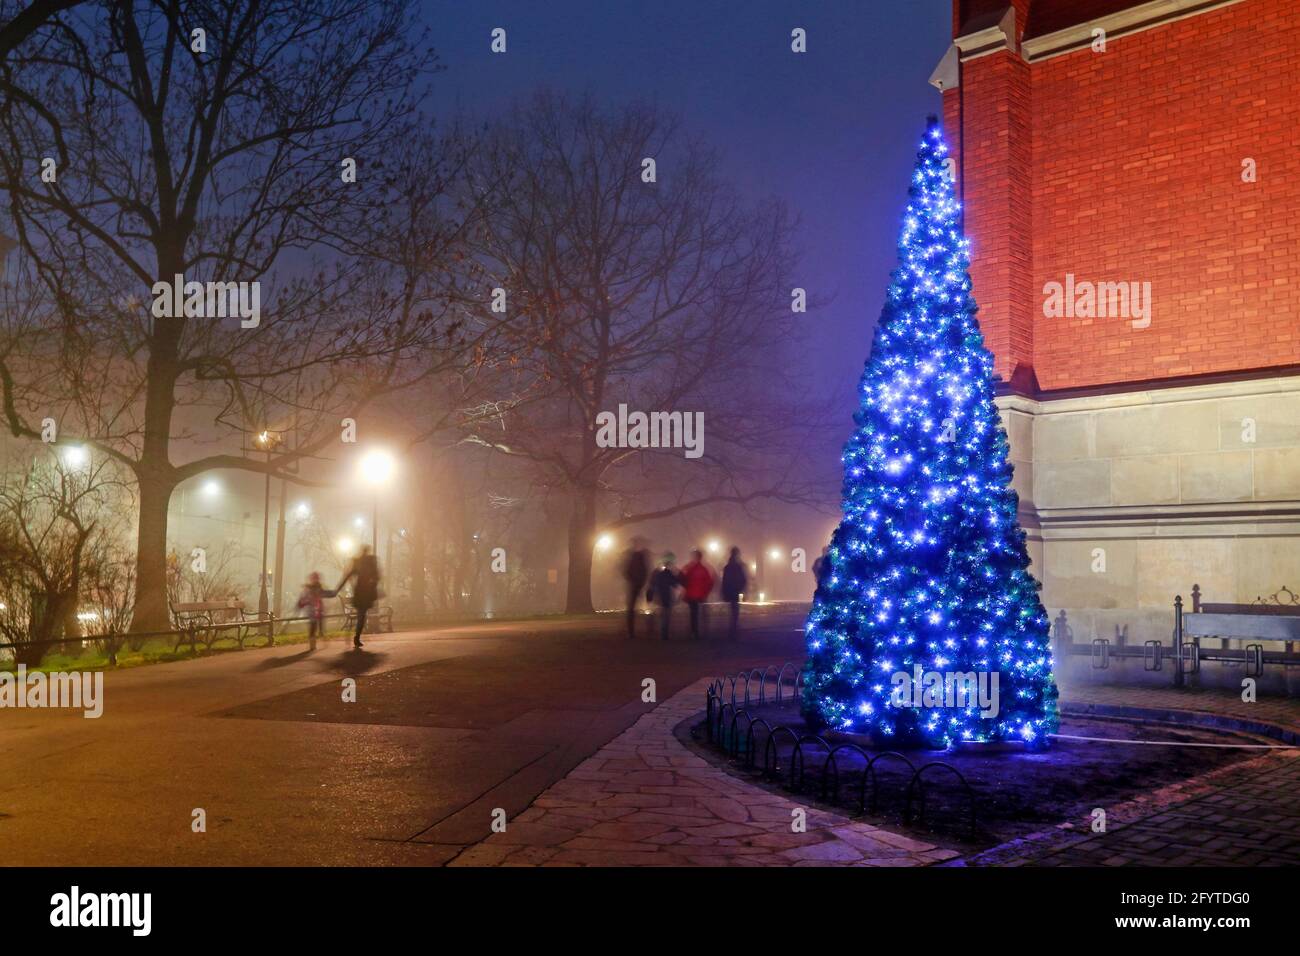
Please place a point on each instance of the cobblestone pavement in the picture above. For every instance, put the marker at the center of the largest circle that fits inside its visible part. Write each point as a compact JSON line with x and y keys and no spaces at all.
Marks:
{"x":1251,"y":820}
{"x":645,"y":800}
{"x":1244,"y":815}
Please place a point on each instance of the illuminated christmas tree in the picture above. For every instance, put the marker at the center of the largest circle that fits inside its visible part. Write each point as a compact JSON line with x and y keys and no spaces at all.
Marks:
{"x":927,"y":573}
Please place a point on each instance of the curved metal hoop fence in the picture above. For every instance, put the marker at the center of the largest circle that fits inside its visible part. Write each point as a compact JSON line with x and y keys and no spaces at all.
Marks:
{"x":811,"y":760}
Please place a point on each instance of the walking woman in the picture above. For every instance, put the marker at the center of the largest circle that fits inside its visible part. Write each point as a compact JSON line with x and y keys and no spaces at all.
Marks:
{"x":697,"y":584}
{"x":365,"y":568}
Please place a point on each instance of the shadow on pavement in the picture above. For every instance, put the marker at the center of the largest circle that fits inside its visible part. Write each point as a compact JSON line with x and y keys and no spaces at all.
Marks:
{"x":355,"y":661}
{"x":270,"y":663}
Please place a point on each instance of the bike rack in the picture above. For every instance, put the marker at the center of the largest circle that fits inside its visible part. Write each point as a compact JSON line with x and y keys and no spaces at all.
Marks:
{"x":1100,"y":654}
{"x":1255,"y":660}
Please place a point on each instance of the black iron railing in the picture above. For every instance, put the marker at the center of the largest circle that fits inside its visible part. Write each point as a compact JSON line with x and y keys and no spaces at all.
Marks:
{"x":733,"y":728}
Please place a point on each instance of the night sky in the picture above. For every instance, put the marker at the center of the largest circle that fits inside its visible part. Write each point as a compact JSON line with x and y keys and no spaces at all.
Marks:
{"x":833,"y":131}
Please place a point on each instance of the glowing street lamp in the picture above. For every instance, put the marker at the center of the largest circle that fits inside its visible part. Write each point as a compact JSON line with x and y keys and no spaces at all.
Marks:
{"x":377,"y":468}
{"x":75,"y":456}
{"x":345,"y":545}
{"x":211,"y":488}
{"x":303,"y":510}
{"x":714,"y":546}
{"x":604,"y":542}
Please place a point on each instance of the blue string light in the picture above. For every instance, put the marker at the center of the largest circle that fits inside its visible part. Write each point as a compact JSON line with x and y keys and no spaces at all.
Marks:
{"x":929,"y":566}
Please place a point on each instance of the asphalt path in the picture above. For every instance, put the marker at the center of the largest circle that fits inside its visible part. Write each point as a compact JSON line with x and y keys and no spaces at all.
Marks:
{"x":448,"y":726}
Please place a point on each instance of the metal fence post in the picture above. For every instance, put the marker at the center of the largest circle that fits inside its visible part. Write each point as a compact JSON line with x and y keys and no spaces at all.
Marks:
{"x":1178,"y":640}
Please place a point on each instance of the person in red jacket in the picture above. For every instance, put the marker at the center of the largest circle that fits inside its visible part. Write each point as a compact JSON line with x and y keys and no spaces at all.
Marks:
{"x":697,"y":582}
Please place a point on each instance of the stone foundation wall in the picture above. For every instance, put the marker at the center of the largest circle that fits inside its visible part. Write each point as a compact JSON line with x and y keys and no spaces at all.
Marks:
{"x":1131,"y":498}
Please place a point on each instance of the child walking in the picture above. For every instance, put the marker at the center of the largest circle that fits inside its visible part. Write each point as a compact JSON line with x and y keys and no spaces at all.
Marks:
{"x":312,"y":600}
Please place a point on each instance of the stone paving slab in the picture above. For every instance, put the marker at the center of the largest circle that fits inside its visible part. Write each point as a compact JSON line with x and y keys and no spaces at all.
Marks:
{"x":645,"y":800}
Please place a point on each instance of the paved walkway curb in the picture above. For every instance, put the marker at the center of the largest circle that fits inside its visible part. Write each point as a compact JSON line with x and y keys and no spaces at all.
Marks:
{"x":645,"y":800}
{"x":1275,"y":717}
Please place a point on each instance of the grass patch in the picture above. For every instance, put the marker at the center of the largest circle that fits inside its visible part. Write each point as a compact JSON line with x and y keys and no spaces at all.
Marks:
{"x":155,"y":651}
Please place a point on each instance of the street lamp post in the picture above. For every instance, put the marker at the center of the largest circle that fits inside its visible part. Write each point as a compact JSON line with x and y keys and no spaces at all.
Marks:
{"x":376,"y":467}
{"x":267,"y":441}
{"x":278,"y":579}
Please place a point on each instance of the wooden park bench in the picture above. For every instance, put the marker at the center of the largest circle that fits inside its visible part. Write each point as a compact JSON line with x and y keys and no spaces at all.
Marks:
{"x":1274,"y":620}
{"x":205,"y":622}
{"x":380,"y":616}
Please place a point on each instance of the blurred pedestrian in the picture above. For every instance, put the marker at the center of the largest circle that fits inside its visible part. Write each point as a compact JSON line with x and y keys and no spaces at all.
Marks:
{"x":697,"y":582}
{"x":822,"y":566}
{"x":663,"y":588}
{"x":365,"y":568}
{"x":312,"y":601}
{"x":636,"y":572}
{"x":735,"y":582}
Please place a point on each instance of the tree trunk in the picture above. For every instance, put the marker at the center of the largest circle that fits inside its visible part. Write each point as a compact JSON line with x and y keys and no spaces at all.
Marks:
{"x":582,"y":538}
{"x":34,"y":649}
{"x":153,"y":471}
{"x":418,"y":552}
{"x":68,"y":609}
{"x":150,"y":612}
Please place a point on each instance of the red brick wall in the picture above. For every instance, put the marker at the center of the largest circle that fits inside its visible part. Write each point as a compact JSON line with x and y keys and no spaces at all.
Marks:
{"x":994,"y":153}
{"x":1048,"y":16}
{"x":1134,"y":174}
{"x":964,"y":11}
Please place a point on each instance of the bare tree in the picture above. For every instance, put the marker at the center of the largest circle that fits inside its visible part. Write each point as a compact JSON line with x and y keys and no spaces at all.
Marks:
{"x":18,"y":21}
{"x":213,"y":141}
{"x":51,"y":536}
{"x":108,"y":594}
{"x":664,"y":295}
{"x":216,"y":582}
